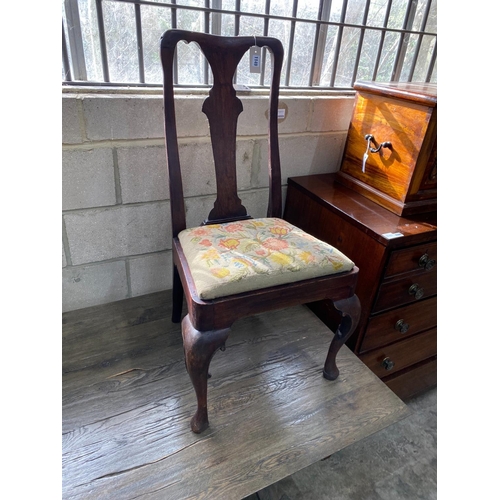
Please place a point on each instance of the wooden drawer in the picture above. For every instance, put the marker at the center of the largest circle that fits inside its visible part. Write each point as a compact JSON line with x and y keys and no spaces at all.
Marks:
{"x":402,"y":354}
{"x":421,"y":257}
{"x":414,"y":380}
{"x":395,"y":325}
{"x":394,"y":293}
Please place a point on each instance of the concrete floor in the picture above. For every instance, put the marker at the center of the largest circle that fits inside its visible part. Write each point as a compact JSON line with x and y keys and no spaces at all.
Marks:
{"x":397,"y":463}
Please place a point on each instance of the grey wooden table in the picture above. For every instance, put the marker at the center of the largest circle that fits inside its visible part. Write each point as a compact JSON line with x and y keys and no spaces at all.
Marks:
{"x":127,"y":401}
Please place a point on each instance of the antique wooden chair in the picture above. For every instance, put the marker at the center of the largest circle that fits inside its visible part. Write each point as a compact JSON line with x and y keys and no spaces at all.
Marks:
{"x":232,"y":265}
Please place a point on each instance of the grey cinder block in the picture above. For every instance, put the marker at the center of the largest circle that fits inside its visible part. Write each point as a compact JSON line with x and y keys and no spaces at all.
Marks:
{"x":96,"y":235}
{"x":87,"y":178}
{"x":87,"y":286}
{"x":114,"y":117}
{"x":150,"y":273}
{"x":71,"y":120}
{"x":143,"y":174}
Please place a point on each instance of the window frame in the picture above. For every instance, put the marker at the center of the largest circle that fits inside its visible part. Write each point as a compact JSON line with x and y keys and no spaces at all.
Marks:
{"x":76,"y":74}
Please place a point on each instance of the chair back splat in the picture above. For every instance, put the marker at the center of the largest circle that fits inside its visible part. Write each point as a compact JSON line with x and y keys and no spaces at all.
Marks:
{"x":222,"y":108}
{"x":234,"y":265}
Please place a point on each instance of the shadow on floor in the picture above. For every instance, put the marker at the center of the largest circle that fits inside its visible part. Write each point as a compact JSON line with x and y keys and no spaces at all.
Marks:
{"x":397,"y":463}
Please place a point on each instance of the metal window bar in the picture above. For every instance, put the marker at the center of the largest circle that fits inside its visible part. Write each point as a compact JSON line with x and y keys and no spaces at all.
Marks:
{"x":290,"y":43}
{"x":75,"y":40}
{"x":425,"y":17}
{"x":207,"y":10}
{"x":173,"y":14}
{"x":140,"y":52}
{"x":382,"y":39}
{"x":266,"y":32}
{"x":102,"y":40}
{"x":431,"y":64}
{"x":340,"y":32}
{"x":237,"y":7}
{"x":207,"y":30}
{"x":216,"y":18}
{"x":65,"y":57}
{"x":319,"y":42}
{"x":360,"y":44}
{"x":404,"y":38}
{"x":237,"y":18}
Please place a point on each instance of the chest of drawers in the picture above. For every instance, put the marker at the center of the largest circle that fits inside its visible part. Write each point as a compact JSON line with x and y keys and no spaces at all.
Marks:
{"x":397,"y":285}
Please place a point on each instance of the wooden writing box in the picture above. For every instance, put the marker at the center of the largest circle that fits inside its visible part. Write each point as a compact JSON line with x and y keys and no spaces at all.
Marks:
{"x":401,"y":177}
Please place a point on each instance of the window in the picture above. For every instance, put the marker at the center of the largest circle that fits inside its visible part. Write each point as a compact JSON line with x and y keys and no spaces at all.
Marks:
{"x":329,"y":44}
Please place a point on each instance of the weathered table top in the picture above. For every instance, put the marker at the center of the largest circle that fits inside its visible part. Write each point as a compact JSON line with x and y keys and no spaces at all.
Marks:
{"x":127,"y":401}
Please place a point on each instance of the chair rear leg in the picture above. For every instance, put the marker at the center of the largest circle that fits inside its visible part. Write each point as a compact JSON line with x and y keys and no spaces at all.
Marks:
{"x":351,"y":310}
{"x":199,"y":348}
{"x":177,"y":296}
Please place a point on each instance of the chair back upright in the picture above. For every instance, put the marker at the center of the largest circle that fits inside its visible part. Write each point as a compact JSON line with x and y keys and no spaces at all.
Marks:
{"x":222,"y":108}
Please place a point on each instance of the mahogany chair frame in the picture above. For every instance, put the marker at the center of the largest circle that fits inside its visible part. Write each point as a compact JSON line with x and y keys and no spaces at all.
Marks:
{"x":207,"y":325}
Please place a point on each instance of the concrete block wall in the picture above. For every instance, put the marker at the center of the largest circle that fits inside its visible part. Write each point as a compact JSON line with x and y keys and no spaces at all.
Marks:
{"x":116,"y":213}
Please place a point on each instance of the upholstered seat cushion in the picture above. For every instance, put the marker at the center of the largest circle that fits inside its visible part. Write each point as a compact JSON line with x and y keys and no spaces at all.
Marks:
{"x":225,"y":259}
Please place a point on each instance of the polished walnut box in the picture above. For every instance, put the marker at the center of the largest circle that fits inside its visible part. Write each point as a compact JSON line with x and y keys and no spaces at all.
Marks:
{"x":391,"y":150}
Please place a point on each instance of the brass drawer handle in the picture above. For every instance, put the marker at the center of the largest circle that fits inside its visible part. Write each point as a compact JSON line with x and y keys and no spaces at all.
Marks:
{"x":417,"y":291}
{"x":426,"y":263}
{"x":388,"y":364}
{"x":401,"y":326}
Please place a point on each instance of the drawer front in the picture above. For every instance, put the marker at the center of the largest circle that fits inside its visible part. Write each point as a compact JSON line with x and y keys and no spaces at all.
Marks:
{"x":408,"y":383}
{"x":392,"y":358}
{"x":399,"y":324}
{"x":404,"y":125}
{"x":407,"y":290}
{"x":419,"y":258}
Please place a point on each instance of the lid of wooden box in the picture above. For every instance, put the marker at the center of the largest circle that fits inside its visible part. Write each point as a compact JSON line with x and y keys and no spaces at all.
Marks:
{"x":423,"y":93}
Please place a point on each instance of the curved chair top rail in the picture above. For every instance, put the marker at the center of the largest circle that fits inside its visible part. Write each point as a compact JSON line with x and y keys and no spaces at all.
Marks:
{"x":222,"y":108}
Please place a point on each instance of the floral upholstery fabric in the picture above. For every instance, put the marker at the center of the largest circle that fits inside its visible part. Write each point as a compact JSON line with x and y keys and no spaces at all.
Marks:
{"x":225,"y":259}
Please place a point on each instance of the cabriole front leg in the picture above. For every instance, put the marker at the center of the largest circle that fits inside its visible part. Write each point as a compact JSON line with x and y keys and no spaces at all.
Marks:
{"x":199,"y":348}
{"x":351,"y":310}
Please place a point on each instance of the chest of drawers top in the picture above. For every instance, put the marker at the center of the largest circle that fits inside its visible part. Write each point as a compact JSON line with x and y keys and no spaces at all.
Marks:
{"x":391,"y":149}
{"x":386,"y":228}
